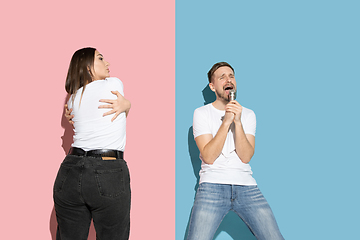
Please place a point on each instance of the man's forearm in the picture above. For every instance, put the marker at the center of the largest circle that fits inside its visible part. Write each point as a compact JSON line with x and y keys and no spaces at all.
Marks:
{"x":213,"y":148}
{"x":244,"y":149}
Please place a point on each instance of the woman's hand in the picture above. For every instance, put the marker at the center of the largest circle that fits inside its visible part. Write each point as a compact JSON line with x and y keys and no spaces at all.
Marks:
{"x":118,"y":105}
{"x":68,"y":115}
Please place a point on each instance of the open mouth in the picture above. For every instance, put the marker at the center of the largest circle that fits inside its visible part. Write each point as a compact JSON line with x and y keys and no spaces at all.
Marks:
{"x":227,"y":88}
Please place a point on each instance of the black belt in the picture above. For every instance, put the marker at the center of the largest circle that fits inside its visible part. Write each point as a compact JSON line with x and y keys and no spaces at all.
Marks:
{"x":96,"y":153}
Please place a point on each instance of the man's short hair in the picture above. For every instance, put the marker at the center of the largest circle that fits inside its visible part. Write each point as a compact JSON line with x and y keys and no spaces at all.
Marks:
{"x":216,"y":66}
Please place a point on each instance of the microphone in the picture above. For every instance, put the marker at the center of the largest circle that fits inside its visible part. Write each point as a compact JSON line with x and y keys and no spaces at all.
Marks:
{"x":232,"y":95}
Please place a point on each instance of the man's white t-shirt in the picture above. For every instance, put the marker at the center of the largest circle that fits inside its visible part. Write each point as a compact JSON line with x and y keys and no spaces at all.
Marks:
{"x":227,"y":168}
{"x":91,"y":129}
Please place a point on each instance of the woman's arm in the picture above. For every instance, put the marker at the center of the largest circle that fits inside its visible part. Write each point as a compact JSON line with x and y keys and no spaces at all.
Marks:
{"x":118,"y":105}
{"x":68,"y":115}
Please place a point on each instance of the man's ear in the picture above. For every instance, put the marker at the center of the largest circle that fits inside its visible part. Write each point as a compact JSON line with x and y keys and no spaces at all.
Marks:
{"x":211,"y":86}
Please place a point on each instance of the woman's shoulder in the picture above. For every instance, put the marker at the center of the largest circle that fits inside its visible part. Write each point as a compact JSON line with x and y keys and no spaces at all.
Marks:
{"x":114,"y":81}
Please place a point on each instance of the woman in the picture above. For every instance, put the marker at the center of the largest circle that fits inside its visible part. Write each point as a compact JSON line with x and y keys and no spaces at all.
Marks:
{"x":93,"y":181}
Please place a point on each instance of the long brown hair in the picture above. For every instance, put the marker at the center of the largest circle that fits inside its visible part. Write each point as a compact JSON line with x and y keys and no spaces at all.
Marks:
{"x":79,"y":73}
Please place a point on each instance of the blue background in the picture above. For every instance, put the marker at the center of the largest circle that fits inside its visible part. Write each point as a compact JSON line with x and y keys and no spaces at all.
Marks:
{"x":297,"y":66}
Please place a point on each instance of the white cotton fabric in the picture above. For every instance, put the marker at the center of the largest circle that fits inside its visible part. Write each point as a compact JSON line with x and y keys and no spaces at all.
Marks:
{"x":91,"y":129}
{"x":227,"y":168}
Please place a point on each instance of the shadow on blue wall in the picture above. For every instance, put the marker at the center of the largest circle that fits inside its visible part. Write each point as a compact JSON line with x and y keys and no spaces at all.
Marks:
{"x":231,"y":224}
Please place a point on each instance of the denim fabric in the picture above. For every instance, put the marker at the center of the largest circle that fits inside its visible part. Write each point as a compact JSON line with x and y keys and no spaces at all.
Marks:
{"x":213,"y":201}
{"x":91,"y":188}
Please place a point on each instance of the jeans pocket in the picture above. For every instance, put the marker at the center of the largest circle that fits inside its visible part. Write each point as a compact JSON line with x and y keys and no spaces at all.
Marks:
{"x":110,"y":182}
{"x":61,"y":178}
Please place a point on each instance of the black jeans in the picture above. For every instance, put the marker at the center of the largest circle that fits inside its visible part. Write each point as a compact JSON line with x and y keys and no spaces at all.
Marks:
{"x":89,"y":187}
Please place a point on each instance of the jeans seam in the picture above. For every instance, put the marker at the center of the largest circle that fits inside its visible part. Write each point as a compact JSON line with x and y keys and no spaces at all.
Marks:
{"x":247,"y":224}
{"x":80,"y":185}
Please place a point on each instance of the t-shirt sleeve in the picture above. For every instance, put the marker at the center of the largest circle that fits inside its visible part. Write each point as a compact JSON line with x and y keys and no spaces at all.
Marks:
{"x":70,"y":101}
{"x":200,"y":123}
{"x":118,"y":85}
{"x":250,"y":123}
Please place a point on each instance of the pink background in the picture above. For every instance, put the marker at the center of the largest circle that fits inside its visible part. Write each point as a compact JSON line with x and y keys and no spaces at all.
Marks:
{"x":38,"y":39}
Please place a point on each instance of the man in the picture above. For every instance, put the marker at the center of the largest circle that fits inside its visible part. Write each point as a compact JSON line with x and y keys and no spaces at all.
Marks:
{"x":224,"y":132}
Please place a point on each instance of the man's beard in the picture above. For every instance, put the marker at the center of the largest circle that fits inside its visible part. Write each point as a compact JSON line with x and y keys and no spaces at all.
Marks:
{"x":223,"y":96}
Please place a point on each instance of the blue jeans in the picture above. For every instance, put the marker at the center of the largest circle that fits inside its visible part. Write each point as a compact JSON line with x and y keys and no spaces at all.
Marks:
{"x":91,"y":188}
{"x":213,"y":201}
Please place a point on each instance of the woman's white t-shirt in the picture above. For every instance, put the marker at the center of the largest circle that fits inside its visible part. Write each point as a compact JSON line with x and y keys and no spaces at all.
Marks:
{"x":92,"y":130}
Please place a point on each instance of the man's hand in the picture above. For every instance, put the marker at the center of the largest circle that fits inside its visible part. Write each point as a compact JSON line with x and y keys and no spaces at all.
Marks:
{"x":118,"y":105}
{"x":68,"y":115}
{"x":235,"y":108}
